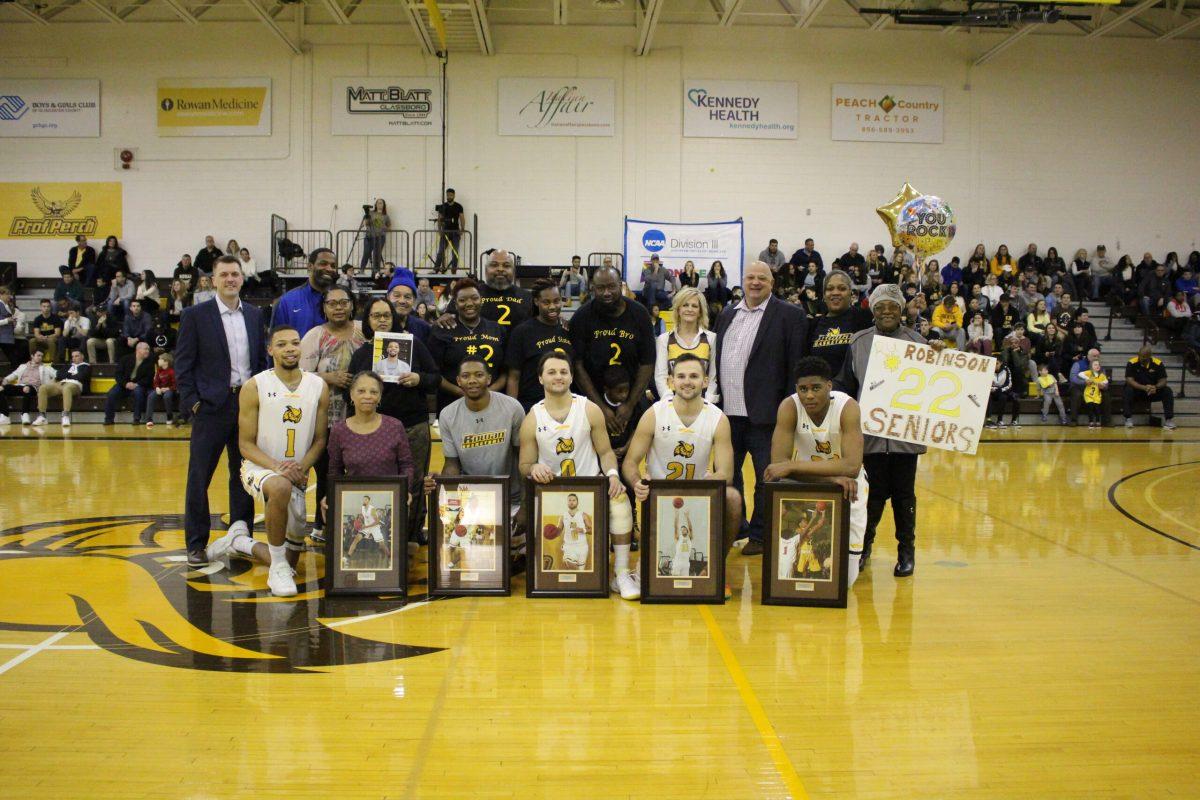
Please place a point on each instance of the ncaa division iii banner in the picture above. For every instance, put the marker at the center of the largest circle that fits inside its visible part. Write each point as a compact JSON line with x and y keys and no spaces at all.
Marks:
{"x":60,"y":210}
{"x":214,"y":107}
{"x":676,"y":243}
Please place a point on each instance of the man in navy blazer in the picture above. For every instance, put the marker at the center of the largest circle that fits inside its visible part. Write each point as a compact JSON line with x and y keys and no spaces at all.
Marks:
{"x":221,"y":346}
{"x":759,"y":342}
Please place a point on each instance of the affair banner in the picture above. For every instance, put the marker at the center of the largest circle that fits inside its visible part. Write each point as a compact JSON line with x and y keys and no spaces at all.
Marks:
{"x":214,"y":107}
{"x":740,"y":109}
{"x":676,"y":243}
{"x":557,"y":107}
{"x":913,"y":393}
{"x":60,"y":210}
{"x":386,"y":107}
{"x":49,"y":108}
{"x":886,"y":112}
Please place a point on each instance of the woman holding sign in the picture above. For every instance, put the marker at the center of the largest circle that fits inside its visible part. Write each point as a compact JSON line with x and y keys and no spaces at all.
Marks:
{"x":891,"y":465}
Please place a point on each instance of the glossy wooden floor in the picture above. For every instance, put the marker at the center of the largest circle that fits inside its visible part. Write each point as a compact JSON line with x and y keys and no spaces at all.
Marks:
{"x":1046,"y":647}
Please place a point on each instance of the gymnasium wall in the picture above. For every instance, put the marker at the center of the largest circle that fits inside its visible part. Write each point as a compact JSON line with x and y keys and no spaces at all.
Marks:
{"x":1060,"y":140}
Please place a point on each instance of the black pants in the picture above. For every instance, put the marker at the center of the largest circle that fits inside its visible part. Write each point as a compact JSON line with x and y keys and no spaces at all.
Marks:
{"x":214,"y":431}
{"x":1077,"y":401}
{"x":15,"y":353}
{"x":447,"y":238}
{"x":28,"y":395}
{"x":322,"y":468}
{"x":892,"y":476}
{"x":755,"y":441}
{"x":1161,"y":395}
{"x":998,"y":400}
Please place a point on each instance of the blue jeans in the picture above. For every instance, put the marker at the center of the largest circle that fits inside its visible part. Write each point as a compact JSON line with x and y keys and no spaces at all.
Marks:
{"x":117,"y":394}
{"x":651,"y":297}
{"x":168,"y":402}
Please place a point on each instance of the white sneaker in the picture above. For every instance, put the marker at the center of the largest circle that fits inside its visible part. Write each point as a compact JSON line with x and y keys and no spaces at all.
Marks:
{"x":4,"y":420}
{"x":281,"y":580}
{"x":66,"y":420}
{"x":41,"y":420}
{"x":1169,"y":425}
{"x":317,"y":535}
{"x":628,"y":585}
{"x":24,"y":419}
{"x":223,"y":546}
{"x":1128,"y":423}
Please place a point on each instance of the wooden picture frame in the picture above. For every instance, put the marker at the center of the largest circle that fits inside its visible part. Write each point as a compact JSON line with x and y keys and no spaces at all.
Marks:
{"x":470,"y":531}
{"x":562,"y":564}
{"x":689,"y":566}
{"x":366,"y":551}
{"x":813,"y":570}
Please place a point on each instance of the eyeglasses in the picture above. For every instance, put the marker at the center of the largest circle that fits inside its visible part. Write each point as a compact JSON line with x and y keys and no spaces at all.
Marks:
{"x":381,"y":315}
{"x":338,"y":303}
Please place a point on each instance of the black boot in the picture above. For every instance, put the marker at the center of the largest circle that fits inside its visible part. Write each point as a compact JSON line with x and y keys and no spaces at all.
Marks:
{"x":905,"y":563}
{"x":865,"y":558}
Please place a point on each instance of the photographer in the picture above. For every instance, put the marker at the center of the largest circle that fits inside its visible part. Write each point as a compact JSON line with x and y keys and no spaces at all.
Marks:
{"x":376,"y":223}
{"x":450,"y":222}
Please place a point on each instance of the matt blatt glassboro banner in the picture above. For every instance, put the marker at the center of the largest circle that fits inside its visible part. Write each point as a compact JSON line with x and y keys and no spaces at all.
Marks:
{"x":740,"y":109}
{"x":870,"y":112}
{"x":49,"y":108}
{"x":676,"y":243}
{"x":214,"y":107}
{"x":386,"y":107}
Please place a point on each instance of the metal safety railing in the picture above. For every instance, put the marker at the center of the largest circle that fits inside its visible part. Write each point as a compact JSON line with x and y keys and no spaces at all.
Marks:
{"x":356,"y":247}
{"x":291,"y":247}
{"x":597,"y":260}
{"x":437,"y":250}
{"x":278,"y":224}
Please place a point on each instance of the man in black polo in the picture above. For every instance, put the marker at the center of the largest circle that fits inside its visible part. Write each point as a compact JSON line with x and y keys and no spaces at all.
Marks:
{"x":504,"y":303}
{"x":806,"y":254}
{"x":450,"y":222}
{"x":1145,"y":376}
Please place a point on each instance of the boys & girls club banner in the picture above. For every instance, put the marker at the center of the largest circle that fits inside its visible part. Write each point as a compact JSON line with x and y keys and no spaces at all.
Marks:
{"x":676,"y":243}
{"x":871,"y":112}
{"x":60,"y":210}
{"x":214,"y":107}
{"x":740,"y":109}
{"x":386,"y":107}
{"x":557,"y":107}
{"x":49,"y":108}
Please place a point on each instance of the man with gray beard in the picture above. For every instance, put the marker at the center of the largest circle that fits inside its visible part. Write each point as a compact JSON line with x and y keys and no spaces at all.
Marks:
{"x":504,"y":302}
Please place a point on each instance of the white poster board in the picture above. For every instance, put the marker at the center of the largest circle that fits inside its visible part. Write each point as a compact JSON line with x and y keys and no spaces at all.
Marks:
{"x":888,"y":112}
{"x":913,"y":393}
{"x":676,"y":243}
{"x":557,"y":107}
{"x":386,"y":107}
{"x":740,"y":109}
{"x":49,"y":108}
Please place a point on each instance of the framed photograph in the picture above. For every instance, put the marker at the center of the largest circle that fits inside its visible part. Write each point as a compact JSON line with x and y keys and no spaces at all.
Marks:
{"x":807,"y":549}
{"x":392,"y":355}
{"x":367,"y":551}
{"x":682,"y":547}
{"x":469,"y":541}
{"x":569,"y":546}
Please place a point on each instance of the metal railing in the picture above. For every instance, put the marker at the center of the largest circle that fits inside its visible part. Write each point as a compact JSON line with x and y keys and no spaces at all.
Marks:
{"x":353,"y":247}
{"x":292,"y":246}
{"x":597,"y":260}
{"x":278,"y":224}
{"x":429,"y":244}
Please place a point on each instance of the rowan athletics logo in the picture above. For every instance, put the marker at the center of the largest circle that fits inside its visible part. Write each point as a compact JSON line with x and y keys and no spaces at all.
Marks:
{"x":293,"y":415}
{"x":55,"y":218}
{"x":124,"y":582}
{"x":565,"y":444}
{"x":685,"y":449}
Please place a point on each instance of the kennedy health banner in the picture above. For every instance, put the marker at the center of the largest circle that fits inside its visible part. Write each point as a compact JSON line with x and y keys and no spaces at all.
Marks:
{"x":557,"y":107}
{"x":386,"y":107}
{"x":887,"y":112}
{"x":676,"y":243}
{"x":214,"y":107}
{"x":740,"y":109}
{"x":49,"y":108}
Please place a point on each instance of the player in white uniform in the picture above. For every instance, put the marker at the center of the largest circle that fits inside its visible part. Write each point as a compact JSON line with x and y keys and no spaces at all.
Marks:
{"x":564,"y":435}
{"x":818,"y":434}
{"x":576,"y":526}
{"x":282,"y":425}
{"x":371,"y":529}
{"x":681,"y":563}
{"x":680,"y":437}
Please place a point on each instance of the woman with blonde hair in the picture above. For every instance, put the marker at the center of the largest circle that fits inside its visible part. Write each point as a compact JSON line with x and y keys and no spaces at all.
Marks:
{"x":691,"y":335}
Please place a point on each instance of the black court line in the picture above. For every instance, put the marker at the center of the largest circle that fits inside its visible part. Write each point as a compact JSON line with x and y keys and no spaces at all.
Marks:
{"x":1112,"y":499}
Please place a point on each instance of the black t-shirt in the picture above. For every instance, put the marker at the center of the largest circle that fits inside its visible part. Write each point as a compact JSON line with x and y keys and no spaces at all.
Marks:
{"x":506,"y":307}
{"x":527,"y":343}
{"x":1003,"y":319}
{"x":46,"y":325}
{"x":450,"y":347}
{"x":829,"y":337}
{"x":600,"y":341}
{"x":449,"y":213}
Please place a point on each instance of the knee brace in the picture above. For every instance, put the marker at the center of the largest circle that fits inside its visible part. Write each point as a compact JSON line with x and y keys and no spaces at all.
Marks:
{"x":620,"y":516}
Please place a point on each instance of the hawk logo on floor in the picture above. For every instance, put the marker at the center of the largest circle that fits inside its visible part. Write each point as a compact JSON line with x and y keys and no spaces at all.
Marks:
{"x":124,"y":582}
{"x":565,"y":444}
{"x":685,"y":450}
{"x":293,"y":415}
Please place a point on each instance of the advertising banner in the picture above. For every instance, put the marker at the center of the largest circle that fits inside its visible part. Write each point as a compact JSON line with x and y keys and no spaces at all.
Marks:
{"x":214,"y":107}
{"x":676,"y":243}
{"x":557,"y":107}
{"x":740,"y":109}
{"x":60,"y":210}
{"x":386,"y":107}
{"x":49,"y":108}
{"x":869,"y":112}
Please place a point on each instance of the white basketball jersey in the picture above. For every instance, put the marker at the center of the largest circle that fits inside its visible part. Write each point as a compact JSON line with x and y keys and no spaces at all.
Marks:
{"x":370,"y":516}
{"x":287,"y":419}
{"x":787,"y":555}
{"x":681,"y":452}
{"x":574,"y":522}
{"x":566,"y":447}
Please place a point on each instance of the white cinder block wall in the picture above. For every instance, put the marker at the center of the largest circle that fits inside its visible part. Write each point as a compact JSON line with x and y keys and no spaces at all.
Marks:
{"x":1062,"y":141}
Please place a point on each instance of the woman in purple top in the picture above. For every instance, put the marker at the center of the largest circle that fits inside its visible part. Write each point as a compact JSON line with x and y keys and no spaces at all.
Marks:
{"x":368,"y":443}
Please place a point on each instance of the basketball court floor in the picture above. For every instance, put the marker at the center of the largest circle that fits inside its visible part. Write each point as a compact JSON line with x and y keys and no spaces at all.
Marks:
{"x":1046,"y":647}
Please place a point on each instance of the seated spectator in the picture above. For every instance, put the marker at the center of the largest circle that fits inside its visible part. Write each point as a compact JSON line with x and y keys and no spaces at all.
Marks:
{"x":348,"y":279}
{"x":975,"y":274}
{"x":689,"y":277}
{"x":1037,"y":320}
{"x":1054,"y":266}
{"x":1016,"y":349}
{"x":656,"y":323}
{"x":232,"y":248}
{"x":426,"y":295}
{"x":204,"y":290}
{"x":1078,"y":341}
{"x":24,"y":382}
{"x":110,"y":260}
{"x":1077,"y":384}
{"x":256,"y":277}
{"x":1002,"y":395}
{"x":135,"y":378}
{"x":948,"y":323}
{"x":69,"y":288}
{"x":952,"y":273}
{"x":70,"y":381}
{"x":787,"y":280}
{"x":993,"y":291}
{"x":1065,"y":311}
{"x":178,"y":299}
{"x":772,"y":256}
{"x":45,"y":331}
{"x":1155,"y":291}
{"x":813,"y":278}
{"x":187,"y":272}
{"x":120,"y":294}
{"x":1002,"y":266}
{"x":1081,"y":275}
{"x":851,"y":260}
{"x":658,"y":285}
{"x":1095,"y":387}
{"x":1189,"y":285}
{"x":806,"y":255}
{"x":931,"y":277}
{"x":573,"y":282}
{"x":1048,"y":390}
{"x":1027,"y":298}
{"x":1146,"y":377}
{"x":75,"y":331}
{"x":1048,"y":349}
{"x":104,"y":332}
{"x":1178,"y":314}
{"x":81,"y":260}
{"x":979,"y":335}
{"x":8,"y":327}
{"x":208,"y":256}
{"x":1004,"y":317}
{"x":1191,"y":334}
{"x":717,"y":290}
{"x":1101,"y":269}
{"x":164,"y":389}
{"x":138,"y":326}
{"x":1029,"y":261}
{"x":1125,"y":280}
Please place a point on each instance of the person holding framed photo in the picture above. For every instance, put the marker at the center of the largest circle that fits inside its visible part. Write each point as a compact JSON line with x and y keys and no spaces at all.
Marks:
{"x":680,"y":436}
{"x":818,"y":436}
{"x":564,"y":435}
{"x":368,"y":443}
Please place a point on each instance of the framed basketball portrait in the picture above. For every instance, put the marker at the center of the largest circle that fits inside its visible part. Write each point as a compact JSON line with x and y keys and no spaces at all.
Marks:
{"x":682,"y":547}
{"x":367,"y":551}
{"x":807,"y":551}
{"x":569,"y":546}
{"x":469,"y":536}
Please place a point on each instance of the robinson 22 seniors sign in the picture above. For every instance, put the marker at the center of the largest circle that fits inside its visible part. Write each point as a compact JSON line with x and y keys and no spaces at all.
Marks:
{"x":740,"y":109}
{"x":557,"y":107}
{"x":386,"y":107}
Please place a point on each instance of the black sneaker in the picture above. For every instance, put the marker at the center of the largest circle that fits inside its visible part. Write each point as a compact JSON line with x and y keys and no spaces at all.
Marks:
{"x":197,"y":558}
{"x":752,"y":548}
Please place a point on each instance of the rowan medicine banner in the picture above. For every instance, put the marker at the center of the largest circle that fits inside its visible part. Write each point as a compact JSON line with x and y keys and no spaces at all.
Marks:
{"x":740,"y":109}
{"x":675,"y":243}
{"x":60,"y":210}
{"x":913,"y":393}
{"x":869,"y":112}
{"x":214,"y":107}
{"x":386,"y":107}
{"x":49,"y":108}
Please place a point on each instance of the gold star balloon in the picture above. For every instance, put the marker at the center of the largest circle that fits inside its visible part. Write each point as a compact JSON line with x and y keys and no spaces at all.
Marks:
{"x":890,"y":213}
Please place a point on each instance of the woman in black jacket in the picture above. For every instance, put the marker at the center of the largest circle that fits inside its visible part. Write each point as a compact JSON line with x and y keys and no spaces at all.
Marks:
{"x":111,"y":259}
{"x":689,"y":276}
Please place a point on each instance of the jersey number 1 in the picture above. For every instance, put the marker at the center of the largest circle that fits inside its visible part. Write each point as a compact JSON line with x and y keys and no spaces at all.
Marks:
{"x":291,"y":444}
